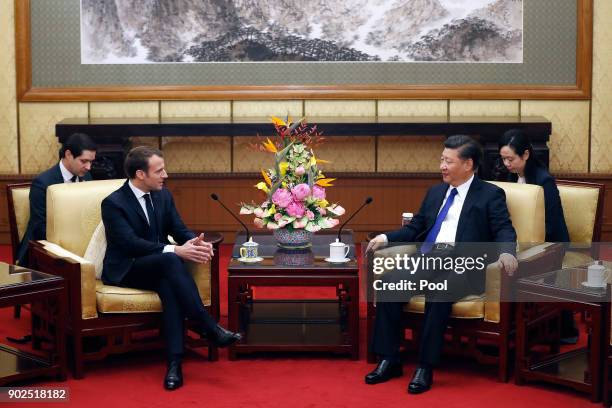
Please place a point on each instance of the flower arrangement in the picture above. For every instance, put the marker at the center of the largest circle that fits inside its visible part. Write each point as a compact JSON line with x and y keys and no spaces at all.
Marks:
{"x":295,"y":188}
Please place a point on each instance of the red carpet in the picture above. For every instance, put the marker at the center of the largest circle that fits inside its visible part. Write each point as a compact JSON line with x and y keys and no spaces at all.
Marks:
{"x":135,"y":380}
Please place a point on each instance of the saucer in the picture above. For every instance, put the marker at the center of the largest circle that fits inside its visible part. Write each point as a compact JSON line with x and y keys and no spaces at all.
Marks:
{"x":250,"y":260}
{"x":590,"y":285}
{"x":337,"y":261}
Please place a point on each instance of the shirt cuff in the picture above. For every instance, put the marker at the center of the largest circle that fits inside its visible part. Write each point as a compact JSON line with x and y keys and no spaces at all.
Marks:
{"x":169,"y":248}
{"x":383,"y":237}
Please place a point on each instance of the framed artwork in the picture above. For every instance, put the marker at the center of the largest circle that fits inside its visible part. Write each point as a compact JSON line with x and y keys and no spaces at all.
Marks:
{"x":74,"y":50}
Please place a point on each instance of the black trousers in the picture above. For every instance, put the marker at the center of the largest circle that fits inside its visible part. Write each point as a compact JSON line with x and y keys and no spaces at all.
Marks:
{"x":388,"y":329}
{"x":166,"y":274}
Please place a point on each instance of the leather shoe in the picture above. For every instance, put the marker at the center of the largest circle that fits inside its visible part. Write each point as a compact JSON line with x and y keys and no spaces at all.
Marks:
{"x":384,"y":371}
{"x":174,"y":376}
{"x":421,"y":381}
{"x":222,"y":337}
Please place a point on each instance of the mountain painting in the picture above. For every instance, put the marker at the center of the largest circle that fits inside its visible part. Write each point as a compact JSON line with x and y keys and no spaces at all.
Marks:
{"x":195,"y":31}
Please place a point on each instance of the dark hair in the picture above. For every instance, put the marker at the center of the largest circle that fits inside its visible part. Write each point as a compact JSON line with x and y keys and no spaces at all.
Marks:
{"x":138,"y":159}
{"x":518,"y":141}
{"x":468,"y":148}
{"x":76,"y":143}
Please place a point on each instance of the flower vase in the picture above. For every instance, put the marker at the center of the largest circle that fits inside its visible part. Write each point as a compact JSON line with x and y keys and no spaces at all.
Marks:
{"x":293,"y":239}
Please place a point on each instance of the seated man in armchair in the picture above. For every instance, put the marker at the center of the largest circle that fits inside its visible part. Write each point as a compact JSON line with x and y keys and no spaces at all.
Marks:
{"x":138,"y":219}
{"x":462,"y":209}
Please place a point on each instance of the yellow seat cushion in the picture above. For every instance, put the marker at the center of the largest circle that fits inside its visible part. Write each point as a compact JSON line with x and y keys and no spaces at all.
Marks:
{"x":21,"y":202}
{"x":469,"y":307}
{"x":580,"y":211}
{"x":115,"y":299}
{"x":573,"y":259}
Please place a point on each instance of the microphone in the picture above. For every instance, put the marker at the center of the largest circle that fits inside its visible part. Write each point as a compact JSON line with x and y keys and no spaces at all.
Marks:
{"x":367,"y":201}
{"x":248,"y":233}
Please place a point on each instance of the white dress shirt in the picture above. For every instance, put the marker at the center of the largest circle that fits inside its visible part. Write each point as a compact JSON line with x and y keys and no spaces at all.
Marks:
{"x":140,"y":196}
{"x":67,"y":175}
{"x":448,"y":230}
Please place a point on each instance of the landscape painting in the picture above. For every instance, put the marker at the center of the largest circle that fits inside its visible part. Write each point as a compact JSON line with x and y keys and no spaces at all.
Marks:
{"x":198,"y":31}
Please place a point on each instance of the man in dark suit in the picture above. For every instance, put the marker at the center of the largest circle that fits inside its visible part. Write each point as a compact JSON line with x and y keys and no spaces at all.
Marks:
{"x":76,"y":157}
{"x":138,"y":219}
{"x":461,"y":210}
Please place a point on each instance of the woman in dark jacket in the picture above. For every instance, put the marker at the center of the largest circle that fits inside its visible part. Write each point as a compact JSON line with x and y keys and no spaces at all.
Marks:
{"x":519,"y":160}
{"x":523,"y":167}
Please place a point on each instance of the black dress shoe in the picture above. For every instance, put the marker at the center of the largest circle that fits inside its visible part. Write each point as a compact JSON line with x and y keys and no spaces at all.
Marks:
{"x":222,"y":337}
{"x":384,"y":371}
{"x":174,"y":376}
{"x":421,"y":381}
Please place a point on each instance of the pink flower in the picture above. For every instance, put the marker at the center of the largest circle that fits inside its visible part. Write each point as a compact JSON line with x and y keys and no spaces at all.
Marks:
{"x":277,"y":216}
{"x":259,"y":223}
{"x":322,"y":210}
{"x":259,"y":212}
{"x":300,"y":192}
{"x":299,"y":170}
{"x":310,"y":215}
{"x":296,"y":209}
{"x":281,"y":197}
{"x":334,"y":222}
{"x":318,"y":192}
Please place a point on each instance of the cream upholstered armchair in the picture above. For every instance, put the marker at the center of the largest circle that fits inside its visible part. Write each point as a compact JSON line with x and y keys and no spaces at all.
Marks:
{"x":481,"y":325}
{"x":583,"y":211}
{"x":18,"y":198}
{"x":115,"y":316}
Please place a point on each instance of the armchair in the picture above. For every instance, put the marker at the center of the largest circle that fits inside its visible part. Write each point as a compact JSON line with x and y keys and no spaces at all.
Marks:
{"x":18,"y":197}
{"x":117,"y":317}
{"x":481,"y":328}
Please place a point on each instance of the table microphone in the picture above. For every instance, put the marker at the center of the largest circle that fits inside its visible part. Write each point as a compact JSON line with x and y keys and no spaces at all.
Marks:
{"x":367,"y":201}
{"x":248,"y":233}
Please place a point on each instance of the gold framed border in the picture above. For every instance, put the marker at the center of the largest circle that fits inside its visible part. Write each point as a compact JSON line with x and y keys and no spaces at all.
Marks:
{"x":580,"y":90}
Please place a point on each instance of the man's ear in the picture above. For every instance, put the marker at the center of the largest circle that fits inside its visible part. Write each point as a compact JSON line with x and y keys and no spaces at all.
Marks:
{"x":140,"y":174}
{"x":68,"y":154}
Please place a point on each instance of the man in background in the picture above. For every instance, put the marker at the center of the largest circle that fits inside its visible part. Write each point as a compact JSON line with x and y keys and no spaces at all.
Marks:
{"x":76,"y":156}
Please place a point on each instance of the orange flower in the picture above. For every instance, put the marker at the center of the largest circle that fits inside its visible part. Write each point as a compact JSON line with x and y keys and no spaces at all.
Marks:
{"x":266,"y":177}
{"x":269,"y":146}
{"x":325,"y":182}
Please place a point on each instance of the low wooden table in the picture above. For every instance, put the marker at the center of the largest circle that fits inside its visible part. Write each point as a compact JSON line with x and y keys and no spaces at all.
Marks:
{"x":542,"y":295}
{"x":20,"y":286}
{"x":325,"y":325}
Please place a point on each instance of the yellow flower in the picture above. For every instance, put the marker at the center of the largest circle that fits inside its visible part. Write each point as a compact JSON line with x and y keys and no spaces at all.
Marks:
{"x":325,"y":182}
{"x":280,"y":122}
{"x":322,"y":203}
{"x":282,"y":166}
{"x":269,"y":146}
{"x":262,"y":186}
{"x":266,"y":177}
{"x":271,"y":210}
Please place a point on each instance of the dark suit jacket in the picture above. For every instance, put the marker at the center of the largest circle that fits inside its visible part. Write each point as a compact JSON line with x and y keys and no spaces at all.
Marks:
{"x":484,"y":218}
{"x":556,"y":229}
{"x":127,"y":230}
{"x":37,"y":225}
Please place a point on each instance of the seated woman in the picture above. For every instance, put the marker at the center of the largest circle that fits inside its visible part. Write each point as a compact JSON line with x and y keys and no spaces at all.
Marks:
{"x":522,"y":166}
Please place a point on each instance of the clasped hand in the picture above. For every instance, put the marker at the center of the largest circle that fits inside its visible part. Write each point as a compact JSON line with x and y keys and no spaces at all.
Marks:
{"x":195,"y":250}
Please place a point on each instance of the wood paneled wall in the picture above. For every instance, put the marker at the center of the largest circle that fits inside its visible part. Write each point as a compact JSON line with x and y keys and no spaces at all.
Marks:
{"x":392,"y":196}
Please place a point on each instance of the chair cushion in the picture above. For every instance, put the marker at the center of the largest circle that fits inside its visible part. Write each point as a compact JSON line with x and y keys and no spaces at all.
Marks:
{"x":470,"y":307}
{"x":97,"y":249}
{"x":21,"y":201}
{"x":115,"y":299}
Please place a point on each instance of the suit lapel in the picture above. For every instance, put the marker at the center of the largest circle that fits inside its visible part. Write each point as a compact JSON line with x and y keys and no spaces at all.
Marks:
{"x":59,"y":179}
{"x":437,"y":199}
{"x":133,"y":203}
{"x":470,"y":199}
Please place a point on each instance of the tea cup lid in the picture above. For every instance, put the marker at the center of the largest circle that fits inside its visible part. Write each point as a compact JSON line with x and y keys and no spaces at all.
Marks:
{"x":337,"y":243}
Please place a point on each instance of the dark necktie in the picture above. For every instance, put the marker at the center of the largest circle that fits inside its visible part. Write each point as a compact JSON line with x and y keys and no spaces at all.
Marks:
{"x":75,"y":179}
{"x":435,"y":230}
{"x":151,"y":214}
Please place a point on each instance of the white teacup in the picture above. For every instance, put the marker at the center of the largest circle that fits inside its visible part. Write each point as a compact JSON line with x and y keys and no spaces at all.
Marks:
{"x":338,"y":251}
{"x":597,"y":275}
{"x":248,"y":250}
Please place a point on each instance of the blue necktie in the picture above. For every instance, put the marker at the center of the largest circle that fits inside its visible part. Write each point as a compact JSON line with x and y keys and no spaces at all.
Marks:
{"x":152,"y":221}
{"x":430,"y":239}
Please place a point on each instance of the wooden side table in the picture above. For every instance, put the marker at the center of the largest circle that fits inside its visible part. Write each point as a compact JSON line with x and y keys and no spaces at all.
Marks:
{"x":18,"y":286}
{"x":542,"y":295}
{"x":294,"y":324}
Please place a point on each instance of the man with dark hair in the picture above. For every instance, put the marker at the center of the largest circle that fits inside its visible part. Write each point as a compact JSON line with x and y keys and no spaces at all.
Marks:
{"x":76,"y":156}
{"x":461,"y":210}
{"x":138,"y":219}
